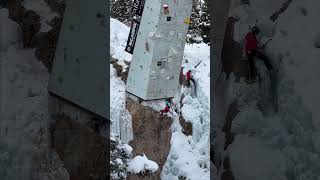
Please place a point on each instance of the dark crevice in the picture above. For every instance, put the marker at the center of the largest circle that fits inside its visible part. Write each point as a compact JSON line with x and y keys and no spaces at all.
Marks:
{"x":283,"y":8}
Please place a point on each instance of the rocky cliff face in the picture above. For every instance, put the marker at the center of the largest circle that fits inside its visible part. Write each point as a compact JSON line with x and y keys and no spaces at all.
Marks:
{"x":29,"y":22}
{"x":231,"y":63}
{"x":151,"y":131}
{"x":151,"y":136}
{"x":82,"y":150}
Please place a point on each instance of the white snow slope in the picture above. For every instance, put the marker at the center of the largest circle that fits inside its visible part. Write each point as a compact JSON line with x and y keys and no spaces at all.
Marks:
{"x":24,"y":147}
{"x":283,"y":145}
{"x":189,"y":156}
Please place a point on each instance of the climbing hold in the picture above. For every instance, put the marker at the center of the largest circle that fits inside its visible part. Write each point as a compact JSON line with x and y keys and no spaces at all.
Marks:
{"x":147,"y":46}
{"x":165,"y":9}
{"x":187,"y":21}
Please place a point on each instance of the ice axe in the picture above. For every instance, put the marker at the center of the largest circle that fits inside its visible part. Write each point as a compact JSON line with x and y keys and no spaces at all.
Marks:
{"x":197,"y":64}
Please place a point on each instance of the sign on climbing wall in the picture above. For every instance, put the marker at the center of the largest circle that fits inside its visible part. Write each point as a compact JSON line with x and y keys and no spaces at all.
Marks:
{"x":79,"y":72}
{"x":132,"y":36}
{"x":137,"y":10}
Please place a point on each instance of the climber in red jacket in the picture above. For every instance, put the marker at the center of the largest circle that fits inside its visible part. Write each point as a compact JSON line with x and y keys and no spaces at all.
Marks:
{"x":254,"y":50}
{"x":189,"y":77}
{"x":165,"y":110}
{"x":167,"y":107}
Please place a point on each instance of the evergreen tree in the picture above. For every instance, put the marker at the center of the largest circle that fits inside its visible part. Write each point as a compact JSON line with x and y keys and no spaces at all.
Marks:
{"x":121,"y":10}
{"x":199,"y":29}
{"x":204,"y":24}
{"x":118,"y":159}
{"x":194,"y":31}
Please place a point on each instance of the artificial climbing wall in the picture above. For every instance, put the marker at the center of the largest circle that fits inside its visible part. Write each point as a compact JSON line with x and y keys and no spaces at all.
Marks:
{"x":158,"y":52}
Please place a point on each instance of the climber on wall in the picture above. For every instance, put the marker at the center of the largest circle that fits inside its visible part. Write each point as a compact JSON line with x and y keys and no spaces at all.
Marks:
{"x":253,"y":50}
{"x":189,"y":78}
{"x":167,"y":107}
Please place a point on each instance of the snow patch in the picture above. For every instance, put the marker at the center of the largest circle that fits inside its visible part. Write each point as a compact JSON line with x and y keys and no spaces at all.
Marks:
{"x":43,"y":10}
{"x":141,"y":164}
{"x":251,"y":159}
{"x":118,"y":40}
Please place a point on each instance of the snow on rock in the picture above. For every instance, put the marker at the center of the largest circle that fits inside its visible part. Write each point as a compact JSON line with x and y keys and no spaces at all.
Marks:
{"x":118,"y":40}
{"x":141,"y":164}
{"x":25,"y":119}
{"x":127,"y":148}
{"x":9,"y":34}
{"x":43,"y":10}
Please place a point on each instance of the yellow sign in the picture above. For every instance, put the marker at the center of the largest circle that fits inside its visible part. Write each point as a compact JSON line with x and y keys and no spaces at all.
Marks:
{"x":187,"y":21}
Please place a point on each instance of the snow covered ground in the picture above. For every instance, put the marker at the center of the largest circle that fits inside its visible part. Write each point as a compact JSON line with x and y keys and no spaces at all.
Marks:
{"x":24,"y":147}
{"x":141,"y":164}
{"x":189,"y":156}
{"x":118,"y":40}
{"x":283,"y":145}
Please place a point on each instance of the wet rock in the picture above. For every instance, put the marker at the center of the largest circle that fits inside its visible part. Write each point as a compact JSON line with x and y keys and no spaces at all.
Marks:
{"x":83,"y":151}
{"x":46,"y":42}
{"x":119,"y":69}
{"x":16,"y":10}
{"x":151,"y":136}
{"x":232,"y":52}
{"x":30,"y":25}
{"x":187,"y":127}
{"x":57,"y":6}
{"x":231,"y":114}
{"x":227,"y":174}
{"x":29,"y":22}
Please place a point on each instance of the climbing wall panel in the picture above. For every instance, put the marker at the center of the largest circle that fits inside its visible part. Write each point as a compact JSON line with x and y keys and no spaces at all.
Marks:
{"x":158,"y":52}
{"x":79,"y":72}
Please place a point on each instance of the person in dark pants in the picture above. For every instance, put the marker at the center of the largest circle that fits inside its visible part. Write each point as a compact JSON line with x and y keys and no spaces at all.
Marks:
{"x":254,"y":50}
{"x":189,"y":78}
